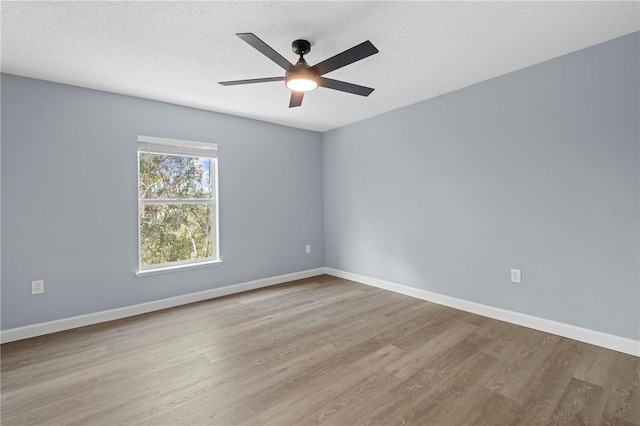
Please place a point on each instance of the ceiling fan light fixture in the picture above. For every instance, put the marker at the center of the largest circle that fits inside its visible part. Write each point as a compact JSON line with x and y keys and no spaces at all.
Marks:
{"x":301,"y":82}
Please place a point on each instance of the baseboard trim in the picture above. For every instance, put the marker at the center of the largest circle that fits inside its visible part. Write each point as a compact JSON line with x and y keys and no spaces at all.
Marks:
{"x":40,"y":329}
{"x":609,"y":341}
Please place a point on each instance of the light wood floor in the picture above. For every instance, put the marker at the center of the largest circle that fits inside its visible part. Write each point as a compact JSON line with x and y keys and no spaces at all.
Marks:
{"x":317,"y":351}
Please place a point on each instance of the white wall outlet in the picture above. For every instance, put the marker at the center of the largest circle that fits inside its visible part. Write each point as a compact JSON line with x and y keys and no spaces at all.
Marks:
{"x":37,"y":287}
{"x":515,"y":276}
{"x":308,"y":248}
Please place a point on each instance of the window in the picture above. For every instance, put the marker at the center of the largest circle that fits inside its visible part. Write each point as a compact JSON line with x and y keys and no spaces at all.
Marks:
{"x":177,"y":204}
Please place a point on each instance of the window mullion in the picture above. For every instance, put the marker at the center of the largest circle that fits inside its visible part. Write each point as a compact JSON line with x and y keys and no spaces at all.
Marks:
{"x":176,"y":201}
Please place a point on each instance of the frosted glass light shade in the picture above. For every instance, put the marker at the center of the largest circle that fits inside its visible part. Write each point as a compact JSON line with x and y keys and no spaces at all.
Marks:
{"x":301,"y":83}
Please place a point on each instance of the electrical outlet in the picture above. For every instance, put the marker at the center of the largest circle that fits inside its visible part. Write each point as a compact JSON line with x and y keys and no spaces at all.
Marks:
{"x":37,"y":287}
{"x":308,"y":248}
{"x":515,"y":276}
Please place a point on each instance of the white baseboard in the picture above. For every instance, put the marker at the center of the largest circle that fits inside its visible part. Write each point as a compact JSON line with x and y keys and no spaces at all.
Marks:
{"x":609,"y":341}
{"x":40,"y":329}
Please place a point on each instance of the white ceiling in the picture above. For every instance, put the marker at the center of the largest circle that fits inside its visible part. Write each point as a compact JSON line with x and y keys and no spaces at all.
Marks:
{"x":177,"y":51}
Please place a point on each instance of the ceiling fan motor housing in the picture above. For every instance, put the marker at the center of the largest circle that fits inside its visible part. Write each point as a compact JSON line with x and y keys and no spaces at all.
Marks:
{"x":301,"y":47}
{"x":301,"y":70}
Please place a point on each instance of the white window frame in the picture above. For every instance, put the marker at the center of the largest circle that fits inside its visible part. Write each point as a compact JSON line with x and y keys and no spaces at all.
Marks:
{"x":183,"y":148}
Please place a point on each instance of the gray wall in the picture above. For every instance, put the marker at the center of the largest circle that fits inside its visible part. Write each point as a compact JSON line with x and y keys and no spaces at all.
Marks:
{"x":516,"y":172}
{"x":69,"y":199}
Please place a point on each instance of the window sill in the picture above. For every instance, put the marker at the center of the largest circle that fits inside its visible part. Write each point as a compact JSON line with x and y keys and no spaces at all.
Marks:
{"x":162,"y":270}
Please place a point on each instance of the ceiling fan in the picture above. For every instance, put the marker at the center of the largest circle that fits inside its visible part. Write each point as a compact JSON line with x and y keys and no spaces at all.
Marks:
{"x":301,"y":77}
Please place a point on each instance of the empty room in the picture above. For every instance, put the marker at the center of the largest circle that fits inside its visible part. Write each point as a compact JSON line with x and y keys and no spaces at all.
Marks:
{"x":320,"y":213}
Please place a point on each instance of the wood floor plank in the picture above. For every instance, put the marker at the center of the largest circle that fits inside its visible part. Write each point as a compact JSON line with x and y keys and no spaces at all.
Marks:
{"x":581,"y":403}
{"x":445,"y":401}
{"x":304,"y":390}
{"x":500,"y":335}
{"x":481,"y":406}
{"x":322,"y":351}
{"x":428,"y":379}
{"x":540,"y":395}
{"x":417,"y":358}
{"x":623,"y":402}
{"x":341,"y":395}
{"x":526,"y":356}
{"x":329,"y":385}
{"x":225,"y":393}
{"x":435,"y":322}
{"x":354,"y":405}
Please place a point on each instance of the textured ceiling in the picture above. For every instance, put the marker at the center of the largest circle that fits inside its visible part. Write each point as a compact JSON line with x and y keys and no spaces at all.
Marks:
{"x":177,"y":51}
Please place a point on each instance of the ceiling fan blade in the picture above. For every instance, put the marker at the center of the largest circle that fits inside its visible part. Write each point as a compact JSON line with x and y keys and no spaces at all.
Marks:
{"x":347,"y":57}
{"x":253,"y":80}
{"x":296,"y":99}
{"x":343,"y":86}
{"x":266,"y":50}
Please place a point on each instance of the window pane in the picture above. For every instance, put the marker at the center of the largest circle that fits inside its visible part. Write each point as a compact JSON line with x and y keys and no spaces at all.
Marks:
{"x":171,"y":176}
{"x":175,"y":232}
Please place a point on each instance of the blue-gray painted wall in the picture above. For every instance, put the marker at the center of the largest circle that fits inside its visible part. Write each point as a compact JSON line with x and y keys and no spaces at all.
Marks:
{"x":69,"y":199}
{"x":516,"y":172}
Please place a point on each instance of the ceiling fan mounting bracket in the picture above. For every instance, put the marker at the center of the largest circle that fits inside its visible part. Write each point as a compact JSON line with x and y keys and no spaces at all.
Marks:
{"x":301,"y":47}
